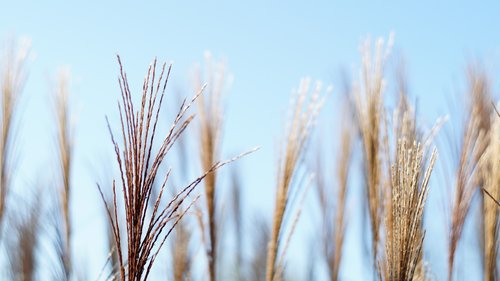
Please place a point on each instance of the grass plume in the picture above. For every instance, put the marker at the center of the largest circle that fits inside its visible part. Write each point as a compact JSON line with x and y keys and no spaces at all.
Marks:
{"x":409,"y":189}
{"x":491,"y":208}
{"x":12,"y":81}
{"x":369,"y":106}
{"x":139,"y":166}
{"x":210,"y":118}
{"x":468,"y":179}
{"x":303,"y":111}
{"x":65,"y":147}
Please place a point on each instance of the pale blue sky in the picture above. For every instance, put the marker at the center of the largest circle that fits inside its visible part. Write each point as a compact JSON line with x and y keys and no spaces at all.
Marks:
{"x":268,"y":46}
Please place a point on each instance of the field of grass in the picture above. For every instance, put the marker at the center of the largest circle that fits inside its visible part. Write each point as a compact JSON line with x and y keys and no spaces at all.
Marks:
{"x":165,"y":224}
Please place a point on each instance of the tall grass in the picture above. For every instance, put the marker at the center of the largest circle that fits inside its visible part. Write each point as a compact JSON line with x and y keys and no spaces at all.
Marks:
{"x":468,"y":176}
{"x":139,"y":166}
{"x":303,"y":111}
{"x":369,"y":104}
{"x":210,"y":129}
{"x":12,"y":81}
{"x":145,"y":205}
{"x":409,"y":189}
{"x":65,"y":145}
{"x":490,"y":173}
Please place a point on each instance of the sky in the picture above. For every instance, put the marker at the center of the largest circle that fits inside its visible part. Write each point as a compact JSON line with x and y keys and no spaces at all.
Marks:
{"x":268,"y":47}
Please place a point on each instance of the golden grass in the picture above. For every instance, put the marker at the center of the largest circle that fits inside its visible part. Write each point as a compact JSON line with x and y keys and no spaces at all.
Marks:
{"x":210,"y":128}
{"x":303,"y":111}
{"x":491,"y":208}
{"x":397,"y":165}
{"x":468,"y":175}
{"x":409,"y":189}
{"x":12,"y":82}
{"x":370,"y":113}
{"x":65,"y":145}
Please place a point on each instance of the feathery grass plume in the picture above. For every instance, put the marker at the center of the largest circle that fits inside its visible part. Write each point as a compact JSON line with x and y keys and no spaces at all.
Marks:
{"x":65,"y":147}
{"x":491,"y":212}
{"x":468,"y":175}
{"x":146,"y":232}
{"x":23,"y":242}
{"x":304,"y":109}
{"x":12,"y":82}
{"x":409,"y":188}
{"x":332,"y":201}
{"x":210,"y":118}
{"x":369,"y":104}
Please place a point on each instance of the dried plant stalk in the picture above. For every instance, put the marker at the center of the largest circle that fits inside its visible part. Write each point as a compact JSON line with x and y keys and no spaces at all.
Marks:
{"x":146,"y":232}
{"x":409,"y":188}
{"x":343,"y":163}
{"x":12,"y":81}
{"x":303,"y":112}
{"x":210,"y":118}
{"x":65,"y":145}
{"x":491,"y":208}
{"x":468,"y":176}
{"x":369,"y":105}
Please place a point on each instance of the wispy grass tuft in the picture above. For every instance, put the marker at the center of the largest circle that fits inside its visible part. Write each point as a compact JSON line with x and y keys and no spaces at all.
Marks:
{"x":468,"y":175}
{"x":369,"y":104}
{"x":210,"y":129}
{"x":304,"y":108}
{"x":490,"y":170}
{"x":12,"y":81}
{"x":409,"y":189}
{"x":65,"y":146}
{"x":146,"y":232}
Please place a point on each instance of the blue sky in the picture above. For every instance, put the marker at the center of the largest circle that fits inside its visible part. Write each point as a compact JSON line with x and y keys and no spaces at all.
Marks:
{"x":268,"y":46}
